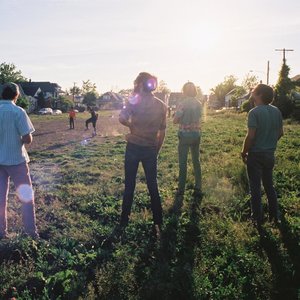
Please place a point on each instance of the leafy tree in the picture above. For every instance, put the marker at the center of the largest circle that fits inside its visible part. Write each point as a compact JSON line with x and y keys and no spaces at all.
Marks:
{"x":283,"y":89}
{"x":9,"y":73}
{"x":163,"y":88}
{"x":223,"y":88}
{"x":23,"y":102}
{"x":65,"y":104}
{"x":199,"y":93}
{"x":246,"y":106}
{"x":249,"y":82}
{"x":90,"y":99}
{"x":41,"y":100}
{"x":75,"y":90}
{"x":238,"y":92}
{"x":88,"y":87}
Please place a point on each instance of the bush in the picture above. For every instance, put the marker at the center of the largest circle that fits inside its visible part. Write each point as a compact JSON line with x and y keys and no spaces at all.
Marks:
{"x":246,"y":106}
{"x":23,"y":102}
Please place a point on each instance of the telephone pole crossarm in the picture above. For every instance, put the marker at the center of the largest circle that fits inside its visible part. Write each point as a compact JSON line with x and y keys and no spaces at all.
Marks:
{"x":284,"y":50}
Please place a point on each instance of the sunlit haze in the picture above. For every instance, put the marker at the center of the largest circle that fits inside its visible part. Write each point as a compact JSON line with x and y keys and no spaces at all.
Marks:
{"x":110,"y":42}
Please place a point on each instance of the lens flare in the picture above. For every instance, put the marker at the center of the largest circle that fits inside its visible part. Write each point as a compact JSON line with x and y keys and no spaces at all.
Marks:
{"x":134,"y":99}
{"x":151,"y":84}
{"x":25,"y":193}
{"x":84,"y":142}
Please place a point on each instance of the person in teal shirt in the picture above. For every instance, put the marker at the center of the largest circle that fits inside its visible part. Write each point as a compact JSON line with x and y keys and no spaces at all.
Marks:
{"x":188,"y":115}
{"x":264,"y":130}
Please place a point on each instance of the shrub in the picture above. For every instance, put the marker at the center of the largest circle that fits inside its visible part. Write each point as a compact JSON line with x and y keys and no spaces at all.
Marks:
{"x":246,"y":106}
{"x":23,"y":102}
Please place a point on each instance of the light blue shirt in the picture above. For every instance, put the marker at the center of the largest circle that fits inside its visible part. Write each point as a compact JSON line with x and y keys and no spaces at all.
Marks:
{"x":14,"y":123}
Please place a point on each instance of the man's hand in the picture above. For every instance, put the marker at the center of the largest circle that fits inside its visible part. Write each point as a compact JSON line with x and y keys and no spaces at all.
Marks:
{"x":26,"y":139}
{"x":244,"y":157}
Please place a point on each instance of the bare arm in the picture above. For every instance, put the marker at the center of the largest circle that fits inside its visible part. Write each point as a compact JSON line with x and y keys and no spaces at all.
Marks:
{"x":124,"y":121}
{"x":160,"y":139}
{"x":27,"y":139}
{"x":280,"y":133}
{"x":248,"y":142}
{"x":176,"y":119}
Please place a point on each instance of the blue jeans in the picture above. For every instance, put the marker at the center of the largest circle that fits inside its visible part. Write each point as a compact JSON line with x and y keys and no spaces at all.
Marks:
{"x":148,"y":156}
{"x":185,"y":144}
{"x":260,"y":168}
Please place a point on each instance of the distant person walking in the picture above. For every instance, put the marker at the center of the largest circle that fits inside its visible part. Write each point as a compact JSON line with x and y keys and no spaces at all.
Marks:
{"x":93,"y":119}
{"x":15,"y":131}
{"x":145,"y":116}
{"x":72,"y":116}
{"x":264,"y":130}
{"x":188,"y":115}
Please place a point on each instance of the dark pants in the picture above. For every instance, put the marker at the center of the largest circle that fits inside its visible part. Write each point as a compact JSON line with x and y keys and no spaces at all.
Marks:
{"x":72,"y":123}
{"x":260,"y":168}
{"x":186,"y":144}
{"x":90,"y":120}
{"x":148,"y":156}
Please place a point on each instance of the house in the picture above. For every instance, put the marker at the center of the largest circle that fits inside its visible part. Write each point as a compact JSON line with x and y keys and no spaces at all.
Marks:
{"x":110,"y":100}
{"x":242,"y":99}
{"x":31,"y":97}
{"x":228,"y":97}
{"x":49,"y":90}
{"x":212,"y":102}
{"x":296,"y":78}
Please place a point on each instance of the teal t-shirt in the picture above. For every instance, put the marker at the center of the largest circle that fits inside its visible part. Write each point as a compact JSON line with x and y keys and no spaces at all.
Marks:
{"x":189,"y":115}
{"x":267,"y":121}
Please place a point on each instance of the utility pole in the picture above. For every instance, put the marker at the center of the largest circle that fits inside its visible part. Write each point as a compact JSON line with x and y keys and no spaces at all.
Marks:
{"x":74,"y":91}
{"x":284,"y":50}
{"x":268,"y":71}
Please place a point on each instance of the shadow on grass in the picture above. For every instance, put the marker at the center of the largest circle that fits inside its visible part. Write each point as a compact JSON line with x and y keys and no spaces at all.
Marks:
{"x":282,"y":269}
{"x":291,"y":242}
{"x":170,"y":275}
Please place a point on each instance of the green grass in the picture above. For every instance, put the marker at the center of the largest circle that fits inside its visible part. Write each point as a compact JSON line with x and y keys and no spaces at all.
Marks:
{"x":209,"y":249}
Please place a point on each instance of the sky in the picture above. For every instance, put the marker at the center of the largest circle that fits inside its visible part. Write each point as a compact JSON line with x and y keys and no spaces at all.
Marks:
{"x":110,"y":41}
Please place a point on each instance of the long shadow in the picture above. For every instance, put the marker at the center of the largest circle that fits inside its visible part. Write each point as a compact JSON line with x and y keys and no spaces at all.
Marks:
{"x":183,"y":269}
{"x":292,"y":245}
{"x":284,"y":285}
{"x":170,"y":274}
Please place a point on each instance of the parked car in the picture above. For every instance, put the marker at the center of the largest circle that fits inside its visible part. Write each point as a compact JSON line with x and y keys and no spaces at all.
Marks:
{"x":57,"y":112}
{"x":45,"y":111}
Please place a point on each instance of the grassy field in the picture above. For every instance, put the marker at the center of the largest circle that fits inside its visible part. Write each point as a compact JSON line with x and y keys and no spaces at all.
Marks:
{"x":208,"y":249}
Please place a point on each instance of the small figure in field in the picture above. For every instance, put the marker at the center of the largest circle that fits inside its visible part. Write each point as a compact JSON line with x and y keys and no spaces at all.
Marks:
{"x":72,"y":116}
{"x":188,"y":116}
{"x":15,"y":131}
{"x":264,"y":130}
{"x":93,"y":119}
{"x":145,"y":116}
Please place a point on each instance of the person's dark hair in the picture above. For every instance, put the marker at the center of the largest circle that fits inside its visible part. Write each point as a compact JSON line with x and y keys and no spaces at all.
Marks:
{"x":10,"y":91}
{"x":189,"y":90}
{"x":265,"y":91}
{"x":149,"y":82}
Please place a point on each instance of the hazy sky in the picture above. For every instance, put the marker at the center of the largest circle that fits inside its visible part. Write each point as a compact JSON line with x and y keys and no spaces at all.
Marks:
{"x":111,"y":41}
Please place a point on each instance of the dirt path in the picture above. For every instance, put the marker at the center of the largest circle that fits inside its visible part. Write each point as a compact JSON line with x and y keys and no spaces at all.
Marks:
{"x":53,"y":136}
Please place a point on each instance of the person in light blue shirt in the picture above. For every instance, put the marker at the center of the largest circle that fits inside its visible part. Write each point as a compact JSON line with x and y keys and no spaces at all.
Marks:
{"x":15,"y":131}
{"x":264,"y":131}
{"x":188,"y":117}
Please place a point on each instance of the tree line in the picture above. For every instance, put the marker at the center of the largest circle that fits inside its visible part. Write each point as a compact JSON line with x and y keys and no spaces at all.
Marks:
{"x":283,"y":99}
